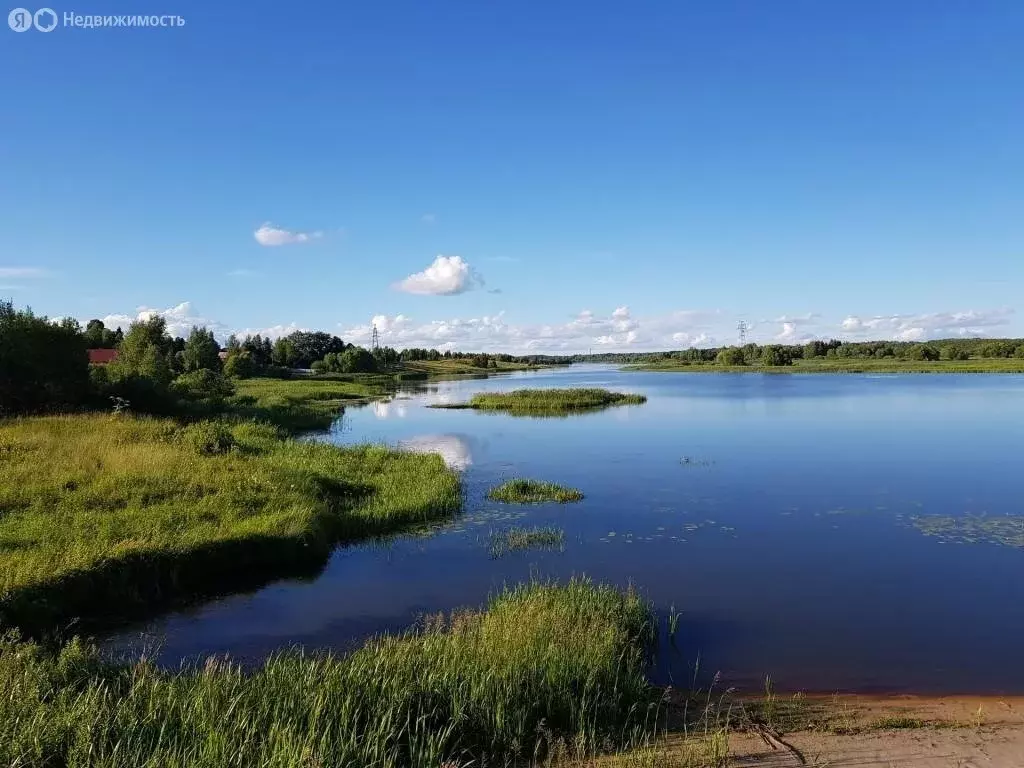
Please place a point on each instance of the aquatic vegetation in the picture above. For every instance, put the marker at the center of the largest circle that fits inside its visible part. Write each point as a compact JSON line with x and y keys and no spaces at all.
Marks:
{"x":118,"y":514}
{"x":547,"y":402}
{"x":692,"y":461}
{"x":524,"y":491}
{"x":521,"y":539}
{"x":543,"y":666}
{"x":1007,"y":530}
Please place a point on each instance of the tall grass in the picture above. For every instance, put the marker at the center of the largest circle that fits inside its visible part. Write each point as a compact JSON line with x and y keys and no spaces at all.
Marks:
{"x":115,"y":514}
{"x":543,"y":665}
{"x":533,"y":402}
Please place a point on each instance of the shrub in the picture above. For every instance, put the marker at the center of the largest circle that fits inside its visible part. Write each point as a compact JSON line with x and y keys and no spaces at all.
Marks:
{"x":730,"y":356}
{"x":208,"y":438}
{"x":203,"y":384}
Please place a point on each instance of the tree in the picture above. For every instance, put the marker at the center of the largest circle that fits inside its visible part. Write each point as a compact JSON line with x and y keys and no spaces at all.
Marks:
{"x":284,"y":353}
{"x":774,"y":355}
{"x":924,"y":352}
{"x":950,"y":352}
{"x":98,"y":336}
{"x":238,"y":364}
{"x":201,"y":351}
{"x":145,"y":351}
{"x":479,"y":361}
{"x":310,"y":346}
{"x":730,"y":356}
{"x":43,"y":365}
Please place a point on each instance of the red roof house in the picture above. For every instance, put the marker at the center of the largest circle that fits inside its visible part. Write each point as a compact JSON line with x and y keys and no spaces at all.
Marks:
{"x":102,"y":356}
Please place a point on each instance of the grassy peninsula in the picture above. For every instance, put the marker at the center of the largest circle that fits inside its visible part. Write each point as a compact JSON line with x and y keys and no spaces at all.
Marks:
{"x":118,"y":513}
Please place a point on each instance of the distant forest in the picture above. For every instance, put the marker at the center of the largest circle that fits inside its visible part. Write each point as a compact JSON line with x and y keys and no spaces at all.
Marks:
{"x":785,"y":354}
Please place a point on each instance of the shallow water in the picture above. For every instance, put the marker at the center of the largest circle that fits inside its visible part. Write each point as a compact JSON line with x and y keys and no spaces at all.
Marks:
{"x":773,"y":511}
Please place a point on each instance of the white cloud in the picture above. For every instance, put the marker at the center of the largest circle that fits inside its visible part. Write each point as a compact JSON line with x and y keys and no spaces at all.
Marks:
{"x":935,"y":325}
{"x":447,"y":276}
{"x":242,"y":273}
{"x":796,"y":320}
{"x":273,"y":332}
{"x":587,"y":329}
{"x":790,"y":333}
{"x":23,"y":272}
{"x":428,"y":218}
{"x":179,"y":319}
{"x":269,"y":235}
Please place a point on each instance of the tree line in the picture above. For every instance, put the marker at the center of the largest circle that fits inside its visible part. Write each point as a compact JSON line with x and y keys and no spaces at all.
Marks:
{"x":786,"y":354}
{"x":44,"y":364}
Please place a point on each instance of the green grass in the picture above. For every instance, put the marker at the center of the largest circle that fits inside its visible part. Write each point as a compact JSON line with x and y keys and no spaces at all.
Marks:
{"x":542,"y":667}
{"x":846,"y":365}
{"x":523,"y":491}
{"x":548,"y":402}
{"x":305,"y":403}
{"x":522,"y":539}
{"x":118,"y":514}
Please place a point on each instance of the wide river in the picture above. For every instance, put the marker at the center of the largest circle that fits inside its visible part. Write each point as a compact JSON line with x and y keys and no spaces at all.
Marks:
{"x":836,"y":532}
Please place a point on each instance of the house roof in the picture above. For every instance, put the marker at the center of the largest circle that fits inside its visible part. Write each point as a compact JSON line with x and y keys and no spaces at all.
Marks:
{"x":102,"y":356}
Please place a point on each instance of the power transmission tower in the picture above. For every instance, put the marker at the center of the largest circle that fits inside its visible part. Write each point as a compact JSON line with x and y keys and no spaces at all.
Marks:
{"x":741,"y":326}
{"x":374,"y":339}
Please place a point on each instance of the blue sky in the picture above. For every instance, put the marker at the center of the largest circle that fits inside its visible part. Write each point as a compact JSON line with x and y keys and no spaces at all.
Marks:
{"x":600,"y":174}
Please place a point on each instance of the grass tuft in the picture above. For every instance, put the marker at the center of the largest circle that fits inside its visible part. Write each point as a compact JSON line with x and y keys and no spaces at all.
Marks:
{"x":524,"y":491}
{"x":521,"y":539}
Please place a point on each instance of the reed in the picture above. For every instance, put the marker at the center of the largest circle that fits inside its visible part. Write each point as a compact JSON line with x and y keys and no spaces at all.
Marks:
{"x":543,"y":666}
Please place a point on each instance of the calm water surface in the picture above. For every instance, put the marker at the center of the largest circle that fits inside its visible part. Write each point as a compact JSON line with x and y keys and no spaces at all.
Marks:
{"x":786,"y":542}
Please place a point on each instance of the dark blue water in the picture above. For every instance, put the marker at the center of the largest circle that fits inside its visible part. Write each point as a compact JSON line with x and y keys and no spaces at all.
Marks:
{"x":786,"y":541}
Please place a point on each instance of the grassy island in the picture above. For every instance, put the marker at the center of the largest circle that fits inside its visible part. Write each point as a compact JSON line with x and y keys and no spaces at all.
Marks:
{"x":523,"y":491}
{"x":547,"y":402}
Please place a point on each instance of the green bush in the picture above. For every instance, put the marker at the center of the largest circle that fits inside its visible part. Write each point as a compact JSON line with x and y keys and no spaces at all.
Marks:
{"x":203,"y":384}
{"x":730,"y":356}
{"x":208,"y":438}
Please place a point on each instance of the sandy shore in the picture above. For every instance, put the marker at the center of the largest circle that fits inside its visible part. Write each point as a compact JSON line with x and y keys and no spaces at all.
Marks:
{"x":919,"y":732}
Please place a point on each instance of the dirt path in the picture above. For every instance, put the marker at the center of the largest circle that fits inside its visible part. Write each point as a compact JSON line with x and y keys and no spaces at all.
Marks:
{"x":956,"y":732}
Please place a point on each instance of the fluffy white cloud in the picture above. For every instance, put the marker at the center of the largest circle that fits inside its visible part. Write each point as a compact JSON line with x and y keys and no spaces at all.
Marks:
{"x":447,"y":276}
{"x":179,"y":319}
{"x":936,"y":325}
{"x":269,"y":235}
{"x":273,"y":332}
{"x":587,"y":329}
